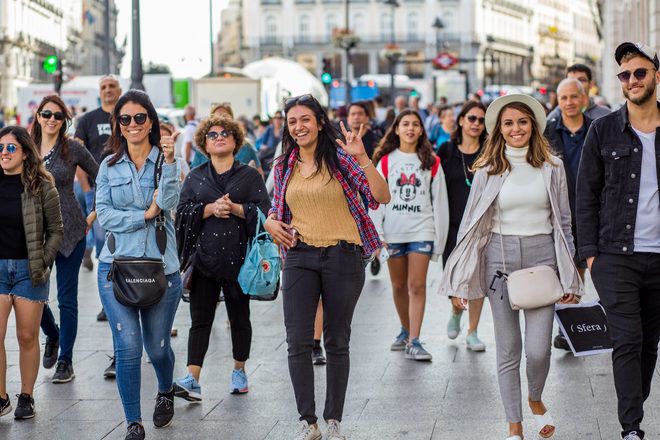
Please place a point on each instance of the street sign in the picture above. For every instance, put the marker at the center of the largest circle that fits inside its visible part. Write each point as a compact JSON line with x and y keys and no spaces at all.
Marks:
{"x":444,"y":61}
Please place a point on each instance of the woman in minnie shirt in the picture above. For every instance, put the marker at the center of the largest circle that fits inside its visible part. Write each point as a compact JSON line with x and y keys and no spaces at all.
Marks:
{"x":414,"y":225}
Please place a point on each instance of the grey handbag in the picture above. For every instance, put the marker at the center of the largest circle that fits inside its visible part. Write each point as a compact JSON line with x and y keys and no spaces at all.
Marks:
{"x":532,"y":287}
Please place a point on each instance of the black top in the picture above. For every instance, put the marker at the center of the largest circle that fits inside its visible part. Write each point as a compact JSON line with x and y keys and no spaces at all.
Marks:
{"x":94,"y":130}
{"x":215,"y":246}
{"x":12,"y":239}
{"x":455,"y":165}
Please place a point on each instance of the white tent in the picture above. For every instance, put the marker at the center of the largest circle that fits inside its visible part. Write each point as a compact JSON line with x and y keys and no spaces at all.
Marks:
{"x":281,"y":79}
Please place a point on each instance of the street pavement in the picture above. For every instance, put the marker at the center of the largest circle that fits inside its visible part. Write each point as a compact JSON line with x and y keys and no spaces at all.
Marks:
{"x":454,"y":397}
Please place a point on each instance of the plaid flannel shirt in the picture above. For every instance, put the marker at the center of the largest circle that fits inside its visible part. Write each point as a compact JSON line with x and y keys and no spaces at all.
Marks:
{"x":357,"y":184}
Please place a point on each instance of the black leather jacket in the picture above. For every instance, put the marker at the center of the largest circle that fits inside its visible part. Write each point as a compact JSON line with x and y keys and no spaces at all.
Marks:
{"x":608,"y":185}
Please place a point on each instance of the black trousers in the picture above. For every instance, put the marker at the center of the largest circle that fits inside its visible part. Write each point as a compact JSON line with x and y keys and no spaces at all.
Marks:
{"x":204,"y":293}
{"x":629,"y":289}
{"x":336,"y":275}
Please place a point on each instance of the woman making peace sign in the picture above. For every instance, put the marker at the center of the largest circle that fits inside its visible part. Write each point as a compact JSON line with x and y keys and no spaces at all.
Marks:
{"x":324,"y":231}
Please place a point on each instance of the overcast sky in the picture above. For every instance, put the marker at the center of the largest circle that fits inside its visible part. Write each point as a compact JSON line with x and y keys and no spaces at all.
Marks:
{"x":174,"y":32}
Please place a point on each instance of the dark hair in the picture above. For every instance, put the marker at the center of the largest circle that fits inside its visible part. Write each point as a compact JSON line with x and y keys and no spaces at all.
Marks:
{"x":457,"y":134}
{"x":62,"y":138}
{"x":580,"y":68}
{"x":117,"y":144}
{"x":362,"y":104}
{"x":34,"y":171}
{"x":391,"y":141}
{"x":326,"y":146}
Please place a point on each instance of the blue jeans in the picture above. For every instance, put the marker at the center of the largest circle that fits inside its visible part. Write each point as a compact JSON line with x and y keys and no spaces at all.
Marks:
{"x":67,"y":300}
{"x":131,"y":328}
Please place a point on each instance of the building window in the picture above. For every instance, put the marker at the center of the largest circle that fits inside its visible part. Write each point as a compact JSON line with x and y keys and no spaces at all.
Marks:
{"x":330,"y":24}
{"x":304,"y":25}
{"x":271,"y":27}
{"x":413,"y":26}
{"x":358,"y":25}
{"x":386,"y":26}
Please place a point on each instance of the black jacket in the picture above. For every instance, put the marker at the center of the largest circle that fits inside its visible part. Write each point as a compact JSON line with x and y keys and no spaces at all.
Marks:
{"x":216,"y":246}
{"x":608,"y":185}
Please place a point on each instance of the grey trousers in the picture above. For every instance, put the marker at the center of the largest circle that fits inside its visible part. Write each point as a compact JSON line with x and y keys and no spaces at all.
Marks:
{"x":520,"y":252}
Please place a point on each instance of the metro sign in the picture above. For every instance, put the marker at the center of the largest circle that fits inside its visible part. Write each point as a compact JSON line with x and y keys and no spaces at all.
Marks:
{"x":444,"y":61}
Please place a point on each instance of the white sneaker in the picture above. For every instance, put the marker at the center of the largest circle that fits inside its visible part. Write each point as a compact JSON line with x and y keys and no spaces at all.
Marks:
{"x":334,"y":431}
{"x":632,"y":436}
{"x":308,"y":432}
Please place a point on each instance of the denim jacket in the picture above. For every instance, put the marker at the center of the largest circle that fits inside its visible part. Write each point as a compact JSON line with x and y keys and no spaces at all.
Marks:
{"x":123,"y":194}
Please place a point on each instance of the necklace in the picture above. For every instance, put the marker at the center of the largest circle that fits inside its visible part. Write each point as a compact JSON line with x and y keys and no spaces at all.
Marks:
{"x":465,"y":172}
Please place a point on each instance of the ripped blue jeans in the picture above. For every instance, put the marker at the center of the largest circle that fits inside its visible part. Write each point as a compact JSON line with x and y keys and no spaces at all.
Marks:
{"x":131,"y":328}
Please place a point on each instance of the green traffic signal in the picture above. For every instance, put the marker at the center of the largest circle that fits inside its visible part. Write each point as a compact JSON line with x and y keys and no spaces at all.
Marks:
{"x":50,"y":64}
{"x":326,"y":78}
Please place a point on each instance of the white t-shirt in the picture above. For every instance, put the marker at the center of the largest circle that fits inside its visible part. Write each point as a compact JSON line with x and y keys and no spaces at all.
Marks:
{"x":189,"y":136}
{"x":647,"y":225}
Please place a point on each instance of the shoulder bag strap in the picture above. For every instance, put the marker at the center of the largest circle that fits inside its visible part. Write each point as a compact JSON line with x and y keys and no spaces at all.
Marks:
{"x":161,"y":234}
{"x":499,"y":224}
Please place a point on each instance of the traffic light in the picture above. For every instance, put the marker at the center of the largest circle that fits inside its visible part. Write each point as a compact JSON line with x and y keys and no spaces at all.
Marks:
{"x":326,"y":76}
{"x":50,"y":64}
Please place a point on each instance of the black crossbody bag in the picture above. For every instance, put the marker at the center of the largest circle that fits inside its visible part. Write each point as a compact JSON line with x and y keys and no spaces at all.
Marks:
{"x":140,"y":282}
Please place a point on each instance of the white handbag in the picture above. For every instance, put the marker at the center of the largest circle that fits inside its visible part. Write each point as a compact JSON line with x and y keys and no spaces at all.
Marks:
{"x":532,"y":287}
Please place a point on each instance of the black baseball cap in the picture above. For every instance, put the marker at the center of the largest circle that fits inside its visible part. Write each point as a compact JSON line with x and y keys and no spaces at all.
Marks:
{"x":641,"y":48}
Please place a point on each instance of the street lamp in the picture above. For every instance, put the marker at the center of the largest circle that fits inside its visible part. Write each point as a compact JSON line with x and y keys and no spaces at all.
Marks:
{"x":392,"y":57}
{"x":438,"y":25}
{"x":136,"y":64}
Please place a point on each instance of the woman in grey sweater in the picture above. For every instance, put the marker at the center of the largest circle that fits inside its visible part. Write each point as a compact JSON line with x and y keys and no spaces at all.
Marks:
{"x":62,"y":156}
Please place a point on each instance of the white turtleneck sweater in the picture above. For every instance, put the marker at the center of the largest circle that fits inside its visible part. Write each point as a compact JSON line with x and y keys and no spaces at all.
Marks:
{"x":523,"y":199}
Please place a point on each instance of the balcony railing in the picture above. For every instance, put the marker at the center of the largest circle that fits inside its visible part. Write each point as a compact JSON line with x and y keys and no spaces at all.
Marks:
{"x":270,"y":41}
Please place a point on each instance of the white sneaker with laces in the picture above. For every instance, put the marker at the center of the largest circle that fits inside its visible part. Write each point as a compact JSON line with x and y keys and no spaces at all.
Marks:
{"x":308,"y":432}
{"x":632,"y":436}
{"x":334,"y":431}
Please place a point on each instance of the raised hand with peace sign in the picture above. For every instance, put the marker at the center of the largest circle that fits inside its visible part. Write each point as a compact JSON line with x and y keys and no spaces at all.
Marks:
{"x":353,"y":145}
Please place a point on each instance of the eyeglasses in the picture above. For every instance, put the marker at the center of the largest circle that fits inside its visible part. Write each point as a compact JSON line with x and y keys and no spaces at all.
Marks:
{"x":473,"y":118}
{"x":47,"y":114}
{"x":213,"y":135}
{"x":11,"y":148}
{"x":297,"y":100}
{"x":639,"y":74}
{"x":139,"y":118}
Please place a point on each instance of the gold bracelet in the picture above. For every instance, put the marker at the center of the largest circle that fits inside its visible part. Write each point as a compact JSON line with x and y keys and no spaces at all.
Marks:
{"x":366,"y":166}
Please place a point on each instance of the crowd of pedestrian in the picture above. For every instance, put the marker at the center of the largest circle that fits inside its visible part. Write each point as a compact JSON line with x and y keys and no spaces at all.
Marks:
{"x":489,"y":190}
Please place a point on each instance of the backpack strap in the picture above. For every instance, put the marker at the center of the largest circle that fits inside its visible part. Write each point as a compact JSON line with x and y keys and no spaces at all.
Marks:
{"x":384,"y":165}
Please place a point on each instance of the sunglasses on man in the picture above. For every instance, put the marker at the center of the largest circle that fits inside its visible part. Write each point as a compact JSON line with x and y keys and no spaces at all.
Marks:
{"x":47,"y":114}
{"x":139,"y":118}
{"x":213,"y":135}
{"x":11,"y":148}
{"x":639,"y":74}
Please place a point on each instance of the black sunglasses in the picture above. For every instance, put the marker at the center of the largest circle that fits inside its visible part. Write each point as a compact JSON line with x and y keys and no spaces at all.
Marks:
{"x":140,"y":119}
{"x":639,"y":74}
{"x":11,"y":148}
{"x":472,"y":119}
{"x":213,"y":135}
{"x":47,"y":114}
{"x":290,"y":102}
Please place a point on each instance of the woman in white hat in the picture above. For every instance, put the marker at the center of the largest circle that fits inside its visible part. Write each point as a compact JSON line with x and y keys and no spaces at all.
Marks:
{"x":517,"y":217}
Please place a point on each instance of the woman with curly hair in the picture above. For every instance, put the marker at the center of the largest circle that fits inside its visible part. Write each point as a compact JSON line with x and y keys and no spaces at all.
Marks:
{"x":32,"y":233}
{"x":216,"y":217}
{"x":62,"y":156}
{"x":414,"y":225}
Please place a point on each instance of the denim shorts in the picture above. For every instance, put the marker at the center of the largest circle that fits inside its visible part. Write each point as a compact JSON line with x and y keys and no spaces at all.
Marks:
{"x":15,"y":280}
{"x":417,"y":247}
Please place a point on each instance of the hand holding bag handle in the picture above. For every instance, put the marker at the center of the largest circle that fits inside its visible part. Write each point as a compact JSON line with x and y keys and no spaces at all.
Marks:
{"x":532,"y":287}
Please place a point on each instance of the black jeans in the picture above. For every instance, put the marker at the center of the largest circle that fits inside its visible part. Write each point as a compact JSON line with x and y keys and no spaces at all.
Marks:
{"x":336,"y":275}
{"x":629,"y":289}
{"x":204,"y":294}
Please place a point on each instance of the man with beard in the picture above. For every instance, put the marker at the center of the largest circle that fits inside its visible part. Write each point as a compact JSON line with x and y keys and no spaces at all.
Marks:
{"x":618,"y":224}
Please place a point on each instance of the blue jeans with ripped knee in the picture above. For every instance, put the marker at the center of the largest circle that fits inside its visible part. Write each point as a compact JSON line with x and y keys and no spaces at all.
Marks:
{"x":131,"y":328}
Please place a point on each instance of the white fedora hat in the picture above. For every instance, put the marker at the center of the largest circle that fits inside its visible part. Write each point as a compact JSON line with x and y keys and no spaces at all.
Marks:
{"x":496,"y":106}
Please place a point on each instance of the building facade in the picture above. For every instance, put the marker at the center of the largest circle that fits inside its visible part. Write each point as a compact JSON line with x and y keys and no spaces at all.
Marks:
{"x":94,"y":38}
{"x":516,"y":42}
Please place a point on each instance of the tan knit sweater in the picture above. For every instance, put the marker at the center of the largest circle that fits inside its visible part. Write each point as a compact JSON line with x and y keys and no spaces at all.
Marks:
{"x":319,"y":210}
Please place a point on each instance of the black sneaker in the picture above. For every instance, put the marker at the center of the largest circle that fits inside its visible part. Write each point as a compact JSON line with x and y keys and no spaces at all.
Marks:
{"x":101,"y":316}
{"x":135,"y":431}
{"x":561,"y":343}
{"x":50,"y":353}
{"x":110,"y":372}
{"x":63,"y":373}
{"x":5,"y":406}
{"x":375,"y":267}
{"x":317,"y":356}
{"x":24,"y":407}
{"x":164,"y":409}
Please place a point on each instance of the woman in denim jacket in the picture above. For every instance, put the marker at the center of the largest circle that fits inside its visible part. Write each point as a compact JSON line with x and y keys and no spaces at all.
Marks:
{"x":126,"y":205}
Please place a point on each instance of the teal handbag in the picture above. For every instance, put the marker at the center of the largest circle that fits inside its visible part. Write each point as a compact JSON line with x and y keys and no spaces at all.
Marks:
{"x":260,"y":273}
